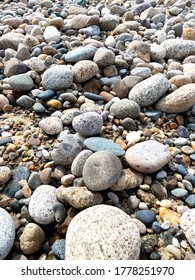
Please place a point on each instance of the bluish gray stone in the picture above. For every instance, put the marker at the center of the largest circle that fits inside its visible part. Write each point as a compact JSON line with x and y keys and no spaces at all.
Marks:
{"x":21,"y":82}
{"x":80,"y":53}
{"x":92,"y":30}
{"x":46,"y":94}
{"x":19,"y":173}
{"x":58,"y":248}
{"x":181,"y":169}
{"x":156,"y":227}
{"x":178,"y":48}
{"x":145,"y":216}
{"x":79,"y":161}
{"x":39,"y":108}
{"x":191,"y":178}
{"x":25,"y":101}
{"x":179,"y":192}
{"x":7,"y":233}
{"x":34,"y":180}
{"x":125,"y":108}
{"x":102,"y":144}
{"x":59,"y":212}
{"x":153,"y":115}
{"x":161,"y":175}
{"x":93,"y":96}
{"x":190,"y":200}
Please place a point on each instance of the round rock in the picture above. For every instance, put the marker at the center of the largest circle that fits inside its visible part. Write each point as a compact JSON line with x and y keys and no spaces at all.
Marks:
{"x":21,"y":82}
{"x":88,"y":124}
{"x":148,"y":156}
{"x":7,"y":233}
{"x":101,"y":171}
{"x":107,"y":233}
{"x":51,"y":34}
{"x":146,"y":216}
{"x":79,"y":161}
{"x":57,"y":77}
{"x":150,"y":90}
{"x":84,"y":70}
{"x":5,"y":174}
{"x":51,"y":125}
{"x":96,"y":144}
{"x":32,"y":238}
{"x":41,"y":204}
{"x":125,"y":109}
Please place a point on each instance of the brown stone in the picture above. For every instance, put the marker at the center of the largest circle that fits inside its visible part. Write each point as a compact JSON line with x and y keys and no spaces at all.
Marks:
{"x":188,"y":33}
{"x":121,"y":89}
{"x":139,"y":49}
{"x":106,"y":95}
{"x":57,"y":22}
{"x":180,"y":80}
{"x":54,"y":104}
{"x":169,"y":215}
{"x":147,"y":197}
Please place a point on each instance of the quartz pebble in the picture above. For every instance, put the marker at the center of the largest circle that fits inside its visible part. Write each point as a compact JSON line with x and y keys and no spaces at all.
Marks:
{"x":103,"y":226}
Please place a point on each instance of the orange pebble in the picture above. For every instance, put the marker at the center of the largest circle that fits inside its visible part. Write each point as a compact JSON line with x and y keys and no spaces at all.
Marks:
{"x":121,"y":143}
{"x":169,"y":215}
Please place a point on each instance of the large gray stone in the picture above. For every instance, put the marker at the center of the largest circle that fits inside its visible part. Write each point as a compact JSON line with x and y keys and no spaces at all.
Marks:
{"x":102,"y":232}
{"x":178,"y":48}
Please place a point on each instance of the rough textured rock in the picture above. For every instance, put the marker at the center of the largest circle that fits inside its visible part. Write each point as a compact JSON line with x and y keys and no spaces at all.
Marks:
{"x":51,"y":125}
{"x":7,"y":233}
{"x":187,"y":223}
{"x":181,"y":100}
{"x":178,"y":48}
{"x":148,"y":156}
{"x":125,"y":109}
{"x":150,"y":90}
{"x":101,"y":171}
{"x":84,"y":70}
{"x":5,"y":175}
{"x":107,"y":233}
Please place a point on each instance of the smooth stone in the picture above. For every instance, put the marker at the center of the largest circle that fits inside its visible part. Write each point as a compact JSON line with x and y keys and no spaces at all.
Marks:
{"x":34,"y":180}
{"x":46,"y":95}
{"x":190,"y":200}
{"x":125,"y":108}
{"x":58,"y":248}
{"x":5,"y":175}
{"x":7,"y":233}
{"x":22,"y":53}
{"x":133,"y":137}
{"x":57,"y":78}
{"x":84,"y":70}
{"x":178,"y":48}
{"x":17,"y":174}
{"x":92,"y":30}
{"x":148,"y":156}
{"x":65,"y":152}
{"x":78,"y":21}
{"x":88,"y":124}
{"x":153,"y":115}
{"x":3,"y":101}
{"x":187,"y":225}
{"x":51,"y":125}
{"x":104,"y":57}
{"x":139,"y":49}
{"x":14,"y":66}
{"x":128,"y":124}
{"x":80,"y":53}
{"x":101,"y":171}
{"x":21,"y":82}
{"x":179,"y":101}
{"x":109,"y":22}
{"x":78,"y":197}
{"x":51,"y":34}
{"x":191,"y":178}
{"x":150,"y":90}
{"x":31,"y":239}
{"x":109,"y":235}
{"x":25,"y":101}
{"x":145,"y":216}
{"x":161,"y":175}
{"x":181,"y":169}
{"x":179,"y":192}
{"x":96,"y":144}
{"x":141,"y":227}
{"x":11,"y":40}
{"x":79,"y":161}
{"x":69,"y":115}
{"x":41,"y":204}
{"x":156,"y":227}
{"x":59,"y":211}
{"x":39,"y":108}
{"x":93,"y":96}
{"x":176,"y":252}
{"x":157,"y":52}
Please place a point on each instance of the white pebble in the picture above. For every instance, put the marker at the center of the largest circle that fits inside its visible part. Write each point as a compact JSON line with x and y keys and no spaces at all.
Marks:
{"x":184,"y":244}
{"x":132,"y":137}
{"x":175,"y":242}
{"x":174,"y":251}
{"x":165,"y":203}
{"x":143,"y":206}
{"x":165,"y":225}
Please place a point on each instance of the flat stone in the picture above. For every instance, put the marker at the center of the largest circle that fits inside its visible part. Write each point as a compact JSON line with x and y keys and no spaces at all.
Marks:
{"x":51,"y":125}
{"x":79,"y":197}
{"x":179,"y":101}
{"x":109,"y":235}
{"x":80,"y":53}
{"x":21,"y":82}
{"x":179,"y":192}
{"x":79,"y":161}
{"x":101,"y":171}
{"x":14,"y":66}
{"x":17,"y":174}
{"x":46,"y":95}
{"x":7,"y":231}
{"x":150,"y":90}
{"x":25,"y":101}
{"x":190,"y":200}
{"x":58,"y":248}
{"x":96,"y":144}
{"x":148,"y":156}
{"x":41,"y":204}
{"x":125,"y":109}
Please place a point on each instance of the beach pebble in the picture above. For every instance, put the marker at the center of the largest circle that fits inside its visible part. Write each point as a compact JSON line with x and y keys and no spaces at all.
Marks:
{"x":96,"y":144}
{"x":141,"y":227}
{"x":3,"y":101}
{"x":59,"y":211}
{"x":179,"y":101}
{"x":178,"y":48}
{"x":190,"y":200}
{"x":179,"y":192}
{"x":58,"y":248}
{"x":41,"y":204}
{"x":145,"y":216}
{"x":25,"y":101}
{"x":148,"y":156}
{"x":88,"y":124}
{"x":51,"y":125}
{"x":187,"y":225}
{"x":5,"y":175}
{"x":174,"y":251}
{"x":167,"y":215}
{"x":21,"y":82}
{"x":101,"y":226}
{"x":150,"y":90}
{"x":101,"y":171}
{"x":7,"y":231}
{"x":79,"y":161}
{"x":51,"y":34}
{"x":57,"y":77}
{"x":78,"y":197}
{"x":125,"y":109}
{"x":84,"y":70}
{"x":32,"y":238}
{"x":80,"y":53}
{"x":65,"y":152}
{"x":104,"y":57}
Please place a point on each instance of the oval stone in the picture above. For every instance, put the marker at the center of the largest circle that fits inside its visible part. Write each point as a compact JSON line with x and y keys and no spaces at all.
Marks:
{"x":148,"y":156}
{"x":96,"y":144}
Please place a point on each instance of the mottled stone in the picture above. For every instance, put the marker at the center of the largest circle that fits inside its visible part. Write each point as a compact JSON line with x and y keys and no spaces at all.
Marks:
{"x":5,"y":175}
{"x":139,"y":49}
{"x":78,"y":197}
{"x":21,"y":82}
{"x":79,"y":161}
{"x":107,"y":233}
{"x":150,"y":90}
{"x":148,"y":156}
{"x":178,"y":48}
{"x":80,"y":53}
{"x":84,"y":70}
{"x":104,"y":57}
{"x":51,"y":125}
{"x":187,"y":225}
{"x":14,"y":66}
{"x":125,"y":109}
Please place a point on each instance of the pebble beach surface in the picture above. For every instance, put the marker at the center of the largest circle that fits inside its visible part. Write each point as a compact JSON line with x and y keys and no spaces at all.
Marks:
{"x":97,"y":129}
